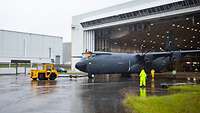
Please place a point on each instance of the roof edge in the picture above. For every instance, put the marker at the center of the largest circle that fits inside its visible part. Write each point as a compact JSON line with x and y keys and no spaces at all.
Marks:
{"x":31,"y":33}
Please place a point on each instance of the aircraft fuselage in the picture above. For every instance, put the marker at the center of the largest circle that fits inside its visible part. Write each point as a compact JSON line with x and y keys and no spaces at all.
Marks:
{"x":115,"y":63}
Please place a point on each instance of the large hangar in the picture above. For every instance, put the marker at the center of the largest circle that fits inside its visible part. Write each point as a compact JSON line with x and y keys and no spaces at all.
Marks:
{"x":140,"y":26}
{"x":28,"y":46}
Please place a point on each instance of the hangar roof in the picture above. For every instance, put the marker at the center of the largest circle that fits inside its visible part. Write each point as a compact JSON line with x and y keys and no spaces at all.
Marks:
{"x":126,"y":7}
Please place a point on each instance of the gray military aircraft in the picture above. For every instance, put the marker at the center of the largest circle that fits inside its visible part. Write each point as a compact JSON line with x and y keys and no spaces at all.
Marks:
{"x":124,"y":63}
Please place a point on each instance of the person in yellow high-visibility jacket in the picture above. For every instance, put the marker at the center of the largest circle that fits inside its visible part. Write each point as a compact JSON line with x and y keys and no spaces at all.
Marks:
{"x":152,"y":73}
{"x":143,"y":77}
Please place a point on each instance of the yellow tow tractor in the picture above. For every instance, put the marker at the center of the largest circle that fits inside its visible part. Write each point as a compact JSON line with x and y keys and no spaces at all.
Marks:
{"x":44,"y":72}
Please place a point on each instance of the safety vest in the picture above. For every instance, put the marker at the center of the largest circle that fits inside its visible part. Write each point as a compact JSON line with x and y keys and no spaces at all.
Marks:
{"x":143,"y":74}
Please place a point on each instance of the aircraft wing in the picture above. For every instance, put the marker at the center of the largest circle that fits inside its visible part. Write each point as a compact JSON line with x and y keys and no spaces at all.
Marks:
{"x":151,"y":53}
{"x":171,"y":52}
{"x":102,"y":53}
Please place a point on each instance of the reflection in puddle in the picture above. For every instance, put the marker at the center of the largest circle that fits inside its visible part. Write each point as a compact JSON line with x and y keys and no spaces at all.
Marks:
{"x":43,"y":86}
{"x":143,"y":92}
{"x":152,"y":86}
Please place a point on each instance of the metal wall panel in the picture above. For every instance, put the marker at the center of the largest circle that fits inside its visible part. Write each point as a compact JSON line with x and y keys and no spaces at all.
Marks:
{"x":67,"y":50}
{"x":89,"y":40}
{"x":20,"y":45}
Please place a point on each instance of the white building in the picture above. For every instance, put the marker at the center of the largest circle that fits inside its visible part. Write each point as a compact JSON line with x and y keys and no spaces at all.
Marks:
{"x":97,"y":30}
{"x":28,"y":46}
{"x":67,"y":50}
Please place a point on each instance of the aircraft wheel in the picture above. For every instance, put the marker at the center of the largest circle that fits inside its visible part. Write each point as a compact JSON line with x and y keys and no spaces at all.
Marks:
{"x":90,"y":76}
{"x":52,"y":76}
{"x":41,"y":76}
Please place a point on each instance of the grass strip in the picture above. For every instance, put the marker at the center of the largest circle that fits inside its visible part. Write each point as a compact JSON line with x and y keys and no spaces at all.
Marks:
{"x":186,"y":101}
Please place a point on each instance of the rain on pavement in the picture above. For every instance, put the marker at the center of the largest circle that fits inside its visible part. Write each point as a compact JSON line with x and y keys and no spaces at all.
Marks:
{"x":19,"y":94}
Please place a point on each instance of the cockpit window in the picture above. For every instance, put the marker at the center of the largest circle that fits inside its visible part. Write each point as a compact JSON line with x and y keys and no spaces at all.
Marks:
{"x":87,"y":55}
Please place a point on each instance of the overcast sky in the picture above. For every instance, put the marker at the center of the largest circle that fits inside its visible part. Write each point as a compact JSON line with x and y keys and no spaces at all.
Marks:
{"x":50,"y":17}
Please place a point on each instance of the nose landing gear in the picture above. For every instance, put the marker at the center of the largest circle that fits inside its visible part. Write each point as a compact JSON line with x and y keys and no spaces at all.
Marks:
{"x":91,"y":76}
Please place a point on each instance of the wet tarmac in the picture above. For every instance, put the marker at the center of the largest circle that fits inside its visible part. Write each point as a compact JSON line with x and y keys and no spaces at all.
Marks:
{"x":77,"y":95}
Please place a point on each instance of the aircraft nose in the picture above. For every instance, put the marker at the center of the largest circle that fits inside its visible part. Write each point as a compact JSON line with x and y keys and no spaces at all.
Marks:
{"x":81,"y":66}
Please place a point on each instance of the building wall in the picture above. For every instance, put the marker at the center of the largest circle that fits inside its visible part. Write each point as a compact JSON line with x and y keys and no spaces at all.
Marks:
{"x":28,"y":46}
{"x":67,"y":52}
